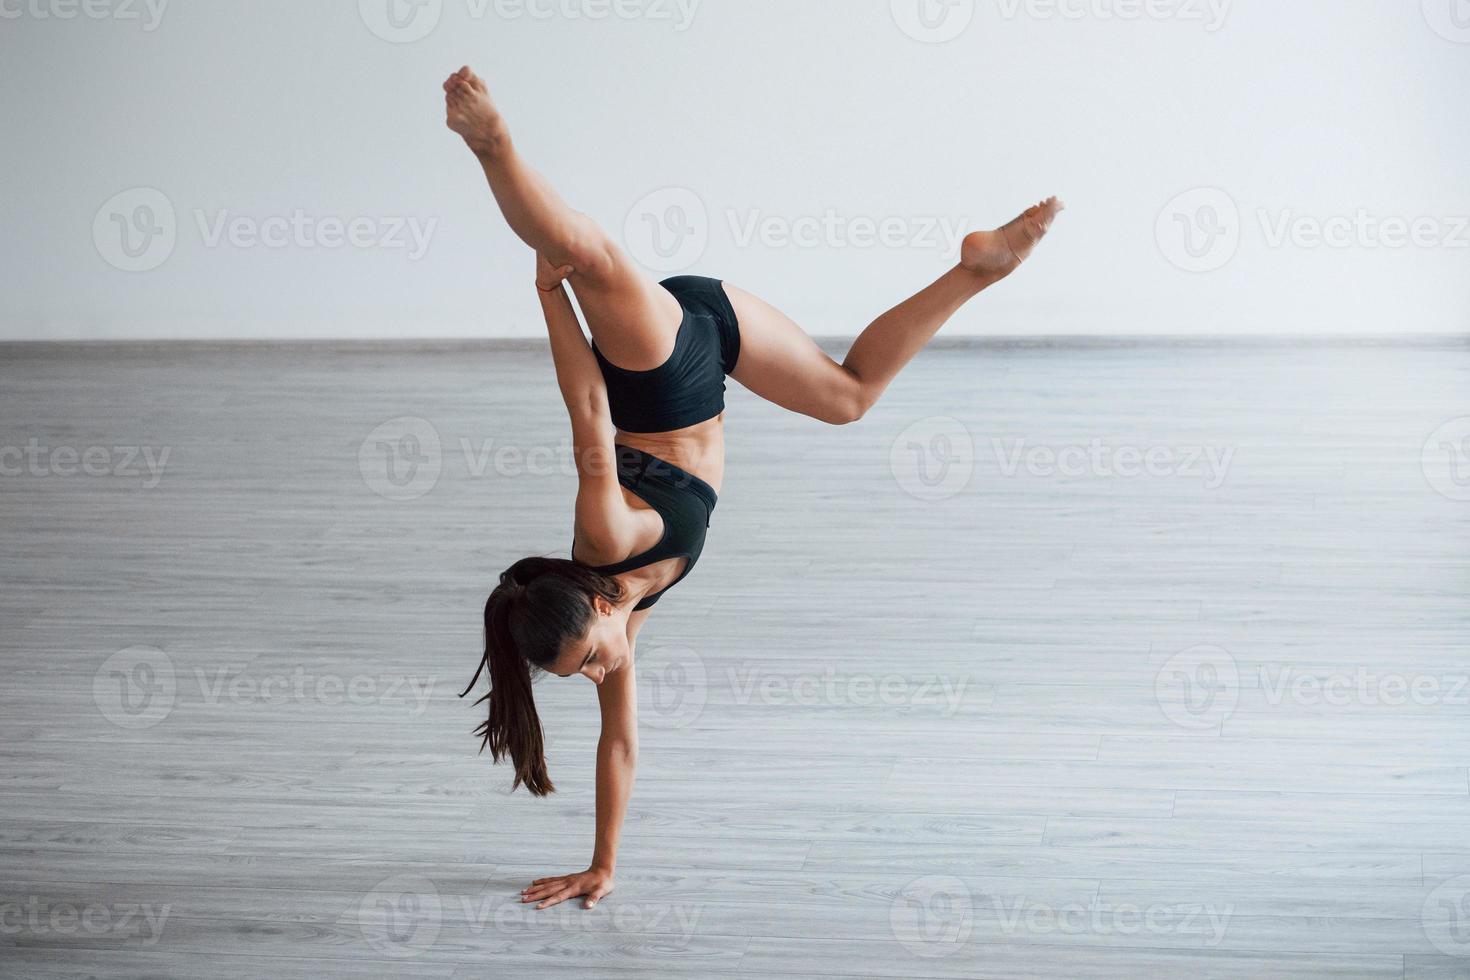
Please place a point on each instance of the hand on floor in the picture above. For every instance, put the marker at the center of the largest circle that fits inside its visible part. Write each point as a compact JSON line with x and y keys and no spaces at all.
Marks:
{"x":553,"y":891}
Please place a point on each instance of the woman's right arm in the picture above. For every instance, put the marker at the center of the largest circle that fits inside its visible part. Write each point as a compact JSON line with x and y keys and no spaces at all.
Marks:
{"x":617,"y":763}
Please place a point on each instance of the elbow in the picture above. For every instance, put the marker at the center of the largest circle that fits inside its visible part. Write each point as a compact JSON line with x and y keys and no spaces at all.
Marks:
{"x":845,"y":411}
{"x":593,"y":405}
{"x":591,"y":417}
{"x":620,"y":748}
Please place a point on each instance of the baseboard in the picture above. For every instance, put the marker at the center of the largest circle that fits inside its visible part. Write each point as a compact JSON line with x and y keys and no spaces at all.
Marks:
{"x":22,"y":348}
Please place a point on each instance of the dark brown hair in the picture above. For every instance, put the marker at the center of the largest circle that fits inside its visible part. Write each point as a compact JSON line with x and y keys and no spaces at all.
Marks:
{"x":539,"y":605}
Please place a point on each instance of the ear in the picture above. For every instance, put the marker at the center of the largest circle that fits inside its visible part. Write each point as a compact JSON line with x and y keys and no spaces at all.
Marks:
{"x":602,"y":606}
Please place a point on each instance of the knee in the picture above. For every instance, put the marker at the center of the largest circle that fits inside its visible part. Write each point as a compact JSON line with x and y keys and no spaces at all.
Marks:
{"x":587,"y":249}
{"x":847,"y":409}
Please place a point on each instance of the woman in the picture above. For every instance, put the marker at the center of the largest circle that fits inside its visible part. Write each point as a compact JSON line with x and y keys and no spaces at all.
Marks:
{"x":646,"y":399}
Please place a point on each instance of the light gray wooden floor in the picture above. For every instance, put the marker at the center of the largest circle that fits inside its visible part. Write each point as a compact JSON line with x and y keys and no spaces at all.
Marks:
{"x":903,"y":720}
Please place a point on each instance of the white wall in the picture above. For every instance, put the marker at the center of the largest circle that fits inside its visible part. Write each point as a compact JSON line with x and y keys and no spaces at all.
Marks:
{"x":1307,"y":110}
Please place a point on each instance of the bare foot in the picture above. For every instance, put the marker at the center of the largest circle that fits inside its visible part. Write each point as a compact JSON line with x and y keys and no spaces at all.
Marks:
{"x":999,"y":253}
{"x":471,"y":114}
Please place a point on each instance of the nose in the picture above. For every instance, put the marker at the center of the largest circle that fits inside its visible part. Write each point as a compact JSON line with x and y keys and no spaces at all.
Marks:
{"x":596,"y":674}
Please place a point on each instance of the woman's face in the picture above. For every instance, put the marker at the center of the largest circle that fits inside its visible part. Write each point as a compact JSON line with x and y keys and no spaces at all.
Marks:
{"x":603,"y":651}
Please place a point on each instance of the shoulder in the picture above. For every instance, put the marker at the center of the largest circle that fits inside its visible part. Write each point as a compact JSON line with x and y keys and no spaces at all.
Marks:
{"x":609,"y":540}
{"x":595,"y":548}
{"x":618,"y":530}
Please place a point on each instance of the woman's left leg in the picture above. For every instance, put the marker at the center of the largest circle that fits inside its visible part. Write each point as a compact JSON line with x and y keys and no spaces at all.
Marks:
{"x":633,"y":319}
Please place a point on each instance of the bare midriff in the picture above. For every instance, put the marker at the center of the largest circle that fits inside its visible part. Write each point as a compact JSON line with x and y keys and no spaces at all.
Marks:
{"x":699,"y":449}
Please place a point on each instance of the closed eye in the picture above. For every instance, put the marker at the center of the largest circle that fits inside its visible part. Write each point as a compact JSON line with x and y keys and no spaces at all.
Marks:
{"x":580,"y":667}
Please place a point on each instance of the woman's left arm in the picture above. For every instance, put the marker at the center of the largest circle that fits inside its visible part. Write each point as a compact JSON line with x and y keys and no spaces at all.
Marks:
{"x":600,"y":504}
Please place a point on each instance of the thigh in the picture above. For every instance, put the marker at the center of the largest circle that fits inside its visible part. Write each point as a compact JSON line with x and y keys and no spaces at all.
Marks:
{"x":633,"y":319}
{"x":782,"y":364}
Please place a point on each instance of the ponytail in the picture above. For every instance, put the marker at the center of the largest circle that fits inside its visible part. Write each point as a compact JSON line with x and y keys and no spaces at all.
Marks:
{"x":539,"y":605}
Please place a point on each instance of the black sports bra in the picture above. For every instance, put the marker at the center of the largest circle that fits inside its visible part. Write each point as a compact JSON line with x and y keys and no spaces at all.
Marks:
{"x":683,"y":500}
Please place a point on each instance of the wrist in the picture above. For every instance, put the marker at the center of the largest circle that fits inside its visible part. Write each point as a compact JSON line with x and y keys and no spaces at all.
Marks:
{"x":603,"y":867}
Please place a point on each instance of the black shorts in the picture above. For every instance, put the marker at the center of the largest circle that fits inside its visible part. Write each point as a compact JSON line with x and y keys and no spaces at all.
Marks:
{"x":689,"y":387}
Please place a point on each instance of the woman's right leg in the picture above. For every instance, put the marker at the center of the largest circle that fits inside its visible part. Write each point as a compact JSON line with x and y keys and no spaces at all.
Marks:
{"x":633,"y":319}
{"x":779,"y":362}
